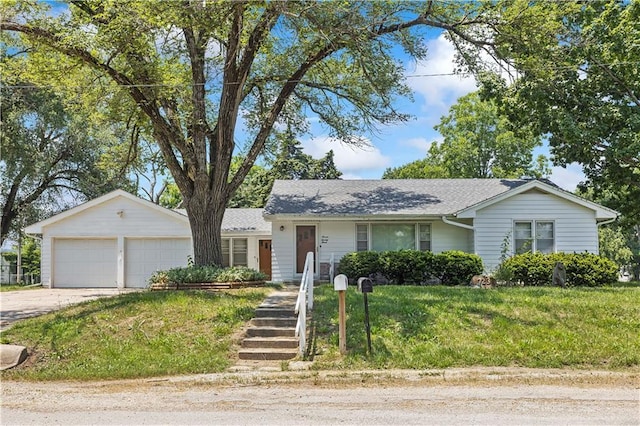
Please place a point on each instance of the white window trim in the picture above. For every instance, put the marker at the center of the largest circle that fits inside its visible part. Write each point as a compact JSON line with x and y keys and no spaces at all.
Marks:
{"x":533,"y":223}
{"x":416,"y":227}
{"x":231,"y":250}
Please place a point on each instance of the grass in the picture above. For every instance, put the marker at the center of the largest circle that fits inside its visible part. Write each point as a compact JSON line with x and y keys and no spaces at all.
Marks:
{"x":14,"y":287}
{"x":171,"y":333}
{"x":439,"y":327}
{"x":135,"y":335}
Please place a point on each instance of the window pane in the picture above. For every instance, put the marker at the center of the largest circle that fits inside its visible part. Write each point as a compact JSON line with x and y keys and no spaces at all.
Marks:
{"x":544,"y":230}
{"x":544,"y":237}
{"x":523,"y":237}
{"x":544,"y":246}
{"x":425,"y":237}
{"x":225,"y":252}
{"x":240,"y":252}
{"x":362,"y":238}
{"x":393,"y":237}
{"x":523,"y":230}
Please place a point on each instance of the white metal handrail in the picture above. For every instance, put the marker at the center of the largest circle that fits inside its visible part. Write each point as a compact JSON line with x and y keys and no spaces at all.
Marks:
{"x":305,"y":294}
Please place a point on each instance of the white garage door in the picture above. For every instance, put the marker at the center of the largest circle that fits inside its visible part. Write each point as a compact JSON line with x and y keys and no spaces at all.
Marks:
{"x":145,"y":256}
{"x":84,"y":263}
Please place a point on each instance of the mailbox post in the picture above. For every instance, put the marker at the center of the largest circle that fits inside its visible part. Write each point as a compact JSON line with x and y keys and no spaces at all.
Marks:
{"x":365,"y":285}
{"x":340,"y":283}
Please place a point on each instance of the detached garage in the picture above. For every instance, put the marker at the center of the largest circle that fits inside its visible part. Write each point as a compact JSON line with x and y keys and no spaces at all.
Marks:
{"x":119,"y":240}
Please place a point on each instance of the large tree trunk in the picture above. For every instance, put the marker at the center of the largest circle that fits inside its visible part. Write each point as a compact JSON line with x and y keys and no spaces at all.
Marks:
{"x":205,"y":212}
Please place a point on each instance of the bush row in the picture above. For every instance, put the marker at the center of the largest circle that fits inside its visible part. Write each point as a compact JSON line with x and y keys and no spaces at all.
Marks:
{"x":536,"y":269}
{"x":206,"y":274}
{"x":412,"y":266}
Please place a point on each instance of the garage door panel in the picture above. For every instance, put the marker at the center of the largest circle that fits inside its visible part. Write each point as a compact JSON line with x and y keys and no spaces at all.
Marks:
{"x":145,"y":256}
{"x":85,"y":263}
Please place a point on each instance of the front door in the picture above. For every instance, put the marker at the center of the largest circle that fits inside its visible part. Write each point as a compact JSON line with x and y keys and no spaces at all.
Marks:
{"x":305,"y":243}
{"x":264,"y":257}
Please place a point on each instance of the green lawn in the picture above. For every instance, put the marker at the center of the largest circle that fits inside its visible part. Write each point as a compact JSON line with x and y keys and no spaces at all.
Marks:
{"x":165,"y":333}
{"x":135,"y":335}
{"x":437,"y":327}
{"x":14,"y":287}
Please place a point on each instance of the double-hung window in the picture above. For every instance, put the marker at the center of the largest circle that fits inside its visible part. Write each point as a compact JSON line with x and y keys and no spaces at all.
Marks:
{"x":393,"y":236}
{"x":234,"y":252}
{"x":534,"y":235}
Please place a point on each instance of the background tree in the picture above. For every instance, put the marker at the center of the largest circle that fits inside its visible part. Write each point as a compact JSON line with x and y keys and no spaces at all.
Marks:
{"x":479,"y":142}
{"x":291,"y":163}
{"x":30,"y":256}
{"x":196,"y":70}
{"x":49,"y":154}
{"x":577,"y":82}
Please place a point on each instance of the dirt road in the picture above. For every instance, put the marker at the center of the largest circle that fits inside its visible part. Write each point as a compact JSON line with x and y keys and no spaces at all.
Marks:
{"x":451,"y":397}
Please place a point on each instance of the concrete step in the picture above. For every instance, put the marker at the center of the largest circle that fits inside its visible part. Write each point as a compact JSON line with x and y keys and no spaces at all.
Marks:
{"x":271,"y":332}
{"x":275,"y":312}
{"x":267,"y":354}
{"x":270,"y":342}
{"x":284,"y":322}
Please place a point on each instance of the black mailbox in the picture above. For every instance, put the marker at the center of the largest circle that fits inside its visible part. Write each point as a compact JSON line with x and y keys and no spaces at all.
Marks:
{"x":365,"y":285}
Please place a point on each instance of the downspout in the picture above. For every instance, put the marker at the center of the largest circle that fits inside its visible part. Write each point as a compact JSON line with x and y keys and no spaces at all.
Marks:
{"x":598,"y":224}
{"x":459,"y":225}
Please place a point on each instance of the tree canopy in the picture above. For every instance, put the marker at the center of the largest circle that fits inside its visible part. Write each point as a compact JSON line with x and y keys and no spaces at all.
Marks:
{"x":479,"y":142}
{"x":49,"y":153}
{"x":198,"y":72}
{"x":577,"y":82}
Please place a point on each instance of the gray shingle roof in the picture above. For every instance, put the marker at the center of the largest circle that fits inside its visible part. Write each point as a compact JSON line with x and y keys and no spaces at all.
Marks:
{"x":242,"y":220}
{"x":382,"y":197}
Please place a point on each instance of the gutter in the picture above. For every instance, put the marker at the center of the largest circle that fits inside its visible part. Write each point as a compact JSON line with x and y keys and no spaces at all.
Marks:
{"x":598,"y":224}
{"x":459,"y":225}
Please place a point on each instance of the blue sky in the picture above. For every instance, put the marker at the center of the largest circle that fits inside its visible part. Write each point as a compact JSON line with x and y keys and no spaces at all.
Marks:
{"x":396,"y":145}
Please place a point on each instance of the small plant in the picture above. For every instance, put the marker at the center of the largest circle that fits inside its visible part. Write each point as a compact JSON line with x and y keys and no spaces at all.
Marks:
{"x":239,"y":274}
{"x":206,"y":274}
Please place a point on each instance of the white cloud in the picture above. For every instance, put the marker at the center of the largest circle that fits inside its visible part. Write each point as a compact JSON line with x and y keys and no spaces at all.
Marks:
{"x":567,"y":178}
{"x":348,"y":159}
{"x":439,"y":91}
{"x":421,"y":144}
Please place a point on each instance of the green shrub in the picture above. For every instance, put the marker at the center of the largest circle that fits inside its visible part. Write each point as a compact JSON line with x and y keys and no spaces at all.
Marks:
{"x":457,"y":267}
{"x":582,"y":269}
{"x":406,"y":266}
{"x":206,"y":274}
{"x":412,"y":266}
{"x":240,"y":274}
{"x":359,"y":264}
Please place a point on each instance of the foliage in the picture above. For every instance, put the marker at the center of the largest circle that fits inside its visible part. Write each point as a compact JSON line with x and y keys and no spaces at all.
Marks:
{"x":443,"y":327}
{"x":291,"y":163}
{"x":614,"y":246}
{"x":135,"y":335}
{"x":48,"y":152}
{"x":412,"y":266}
{"x":359,"y":264}
{"x":479,"y":142}
{"x":577,"y":83}
{"x":30,"y":256}
{"x":206,"y":274}
{"x":582,"y":269}
{"x":458,"y":267}
{"x":407,"y":266}
{"x":240,"y":274}
{"x":196,"y":73}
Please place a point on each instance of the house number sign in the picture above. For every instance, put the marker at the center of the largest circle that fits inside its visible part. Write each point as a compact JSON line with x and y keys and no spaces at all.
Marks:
{"x":324,"y":239}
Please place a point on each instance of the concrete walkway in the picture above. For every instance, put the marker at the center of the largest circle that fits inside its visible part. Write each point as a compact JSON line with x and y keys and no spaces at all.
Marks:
{"x":21,"y":304}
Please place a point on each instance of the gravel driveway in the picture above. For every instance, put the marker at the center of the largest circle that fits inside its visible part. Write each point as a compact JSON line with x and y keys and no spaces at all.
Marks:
{"x":524,"y":397}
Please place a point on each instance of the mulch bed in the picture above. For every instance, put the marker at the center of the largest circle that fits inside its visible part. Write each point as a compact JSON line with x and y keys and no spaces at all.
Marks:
{"x":207,"y":286}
